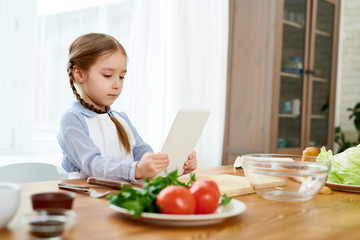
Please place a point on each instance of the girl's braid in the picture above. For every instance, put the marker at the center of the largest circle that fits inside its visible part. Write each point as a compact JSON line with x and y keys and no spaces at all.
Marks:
{"x":77,"y":95}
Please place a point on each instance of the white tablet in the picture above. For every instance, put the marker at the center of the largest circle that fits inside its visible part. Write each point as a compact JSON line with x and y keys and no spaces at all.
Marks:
{"x":183,"y":137}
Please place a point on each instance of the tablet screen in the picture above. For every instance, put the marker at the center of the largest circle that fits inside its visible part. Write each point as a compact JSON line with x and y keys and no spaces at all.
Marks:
{"x":183,"y":137}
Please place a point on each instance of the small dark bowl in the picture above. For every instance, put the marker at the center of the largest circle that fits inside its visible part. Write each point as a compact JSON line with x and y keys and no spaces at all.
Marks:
{"x":53,"y":200}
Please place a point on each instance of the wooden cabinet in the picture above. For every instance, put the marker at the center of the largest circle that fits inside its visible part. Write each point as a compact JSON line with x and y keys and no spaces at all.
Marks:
{"x":281,"y":76}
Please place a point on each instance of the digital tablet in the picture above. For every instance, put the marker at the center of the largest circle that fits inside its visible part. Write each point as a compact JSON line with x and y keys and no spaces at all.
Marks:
{"x":183,"y":137}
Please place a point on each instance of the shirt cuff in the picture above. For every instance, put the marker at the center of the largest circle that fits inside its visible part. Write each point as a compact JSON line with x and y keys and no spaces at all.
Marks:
{"x":132,"y":172}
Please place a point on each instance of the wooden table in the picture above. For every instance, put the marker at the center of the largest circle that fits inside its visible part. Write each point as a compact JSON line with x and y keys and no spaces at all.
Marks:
{"x":335,"y":216}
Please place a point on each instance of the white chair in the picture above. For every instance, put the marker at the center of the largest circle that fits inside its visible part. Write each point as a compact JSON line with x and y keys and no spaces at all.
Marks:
{"x":29,"y":172}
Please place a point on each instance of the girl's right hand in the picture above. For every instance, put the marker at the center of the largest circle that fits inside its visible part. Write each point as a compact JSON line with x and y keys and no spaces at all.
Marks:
{"x":151,"y":164}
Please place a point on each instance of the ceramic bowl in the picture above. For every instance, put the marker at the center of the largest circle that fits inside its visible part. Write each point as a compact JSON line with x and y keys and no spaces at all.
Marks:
{"x":284,"y":177}
{"x":53,"y":200}
{"x":9,"y":201}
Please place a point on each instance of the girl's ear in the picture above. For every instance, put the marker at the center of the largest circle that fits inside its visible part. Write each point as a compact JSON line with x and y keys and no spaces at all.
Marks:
{"x":79,"y":74}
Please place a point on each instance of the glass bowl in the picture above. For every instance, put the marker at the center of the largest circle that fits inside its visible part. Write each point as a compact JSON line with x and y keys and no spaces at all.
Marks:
{"x":285,"y":177}
{"x":48,"y":223}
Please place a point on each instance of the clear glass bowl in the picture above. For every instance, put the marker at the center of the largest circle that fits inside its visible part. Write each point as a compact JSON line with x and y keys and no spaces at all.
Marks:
{"x":48,"y":223}
{"x":284,"y":177}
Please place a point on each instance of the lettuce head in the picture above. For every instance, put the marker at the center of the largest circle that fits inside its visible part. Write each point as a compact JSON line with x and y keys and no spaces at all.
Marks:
{"x":345,"y":166}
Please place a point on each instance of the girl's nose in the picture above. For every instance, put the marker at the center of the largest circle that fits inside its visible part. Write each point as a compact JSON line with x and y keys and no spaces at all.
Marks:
{"x":117,"y":84}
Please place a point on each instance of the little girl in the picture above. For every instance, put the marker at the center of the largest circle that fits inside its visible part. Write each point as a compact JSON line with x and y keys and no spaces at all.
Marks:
{"x":96,"y":140}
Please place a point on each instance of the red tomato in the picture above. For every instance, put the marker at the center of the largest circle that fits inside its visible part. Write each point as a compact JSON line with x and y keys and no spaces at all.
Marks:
{"x":176,"y":200}
{"x":207,"y":194}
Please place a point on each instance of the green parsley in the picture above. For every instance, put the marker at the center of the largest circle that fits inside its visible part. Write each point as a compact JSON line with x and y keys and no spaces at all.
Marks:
{"x":144,"y":200}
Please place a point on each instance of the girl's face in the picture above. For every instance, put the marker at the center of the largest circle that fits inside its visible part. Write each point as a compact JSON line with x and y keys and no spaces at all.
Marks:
{"x":103,"y":82}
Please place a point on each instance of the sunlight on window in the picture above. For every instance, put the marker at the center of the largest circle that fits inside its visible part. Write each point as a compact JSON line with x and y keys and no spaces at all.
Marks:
{"x":59,"y":23}
{"x":48,"y":7}
{"x":177,"y":56}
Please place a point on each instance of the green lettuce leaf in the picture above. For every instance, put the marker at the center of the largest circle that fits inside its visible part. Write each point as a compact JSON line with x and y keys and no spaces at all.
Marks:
{"x":345,"y":166}
{"x":324,"y":155}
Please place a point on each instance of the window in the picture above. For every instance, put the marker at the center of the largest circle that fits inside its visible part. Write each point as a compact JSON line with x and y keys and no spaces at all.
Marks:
{"x":177,"y":58}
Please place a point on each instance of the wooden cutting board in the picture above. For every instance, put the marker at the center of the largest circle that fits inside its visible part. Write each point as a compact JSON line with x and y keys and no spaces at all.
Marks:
{"x":233,"y":185}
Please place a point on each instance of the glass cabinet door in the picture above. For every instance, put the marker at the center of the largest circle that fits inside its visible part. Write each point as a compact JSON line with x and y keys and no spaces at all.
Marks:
{"x":292,"y":77}
{"x":321,"y":73}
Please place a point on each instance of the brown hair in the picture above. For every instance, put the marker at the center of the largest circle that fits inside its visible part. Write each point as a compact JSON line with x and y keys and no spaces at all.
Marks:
{"x":83,"y":52}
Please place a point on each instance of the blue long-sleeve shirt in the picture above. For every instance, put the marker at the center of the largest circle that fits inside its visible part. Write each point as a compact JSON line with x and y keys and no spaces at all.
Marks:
{"x":91,"y":147}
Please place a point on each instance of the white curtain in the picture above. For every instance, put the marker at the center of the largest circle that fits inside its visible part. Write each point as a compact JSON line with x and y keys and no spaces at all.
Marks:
{"x":177,"y":57}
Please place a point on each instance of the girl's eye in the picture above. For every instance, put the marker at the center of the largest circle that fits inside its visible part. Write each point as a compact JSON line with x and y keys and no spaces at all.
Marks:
{"x":122,"y":78}
{"x":107,"y":75}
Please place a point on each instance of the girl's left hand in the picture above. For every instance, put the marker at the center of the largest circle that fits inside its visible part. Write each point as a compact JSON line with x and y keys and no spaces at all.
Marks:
{"x":190,"y":164}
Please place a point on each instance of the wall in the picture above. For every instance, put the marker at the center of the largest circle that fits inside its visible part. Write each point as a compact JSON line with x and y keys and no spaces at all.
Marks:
{"x":250,"y":72}
{"x":348,"y":93}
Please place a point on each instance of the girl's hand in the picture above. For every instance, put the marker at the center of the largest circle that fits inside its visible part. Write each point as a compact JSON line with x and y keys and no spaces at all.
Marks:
{"x":190,"y":164}
{"x":151,"y":164}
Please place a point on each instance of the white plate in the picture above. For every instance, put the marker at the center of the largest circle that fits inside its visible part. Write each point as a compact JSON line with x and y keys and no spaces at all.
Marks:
{"x":231,"y":209}
{"x":344,"y":187}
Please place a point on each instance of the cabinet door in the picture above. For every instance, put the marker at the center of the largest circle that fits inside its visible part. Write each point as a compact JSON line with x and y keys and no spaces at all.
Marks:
{"x":308,"y":71}
{"x":291,"y":123}
{"x":322,"y":74}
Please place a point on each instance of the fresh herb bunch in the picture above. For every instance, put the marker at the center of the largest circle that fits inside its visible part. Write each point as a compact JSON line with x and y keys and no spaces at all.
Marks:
{"x":143,"y":200}
{"x":224,"y":199}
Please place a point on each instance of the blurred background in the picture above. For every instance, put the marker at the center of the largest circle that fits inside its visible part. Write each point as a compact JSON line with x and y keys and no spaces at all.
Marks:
{"x":178,"y":54}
